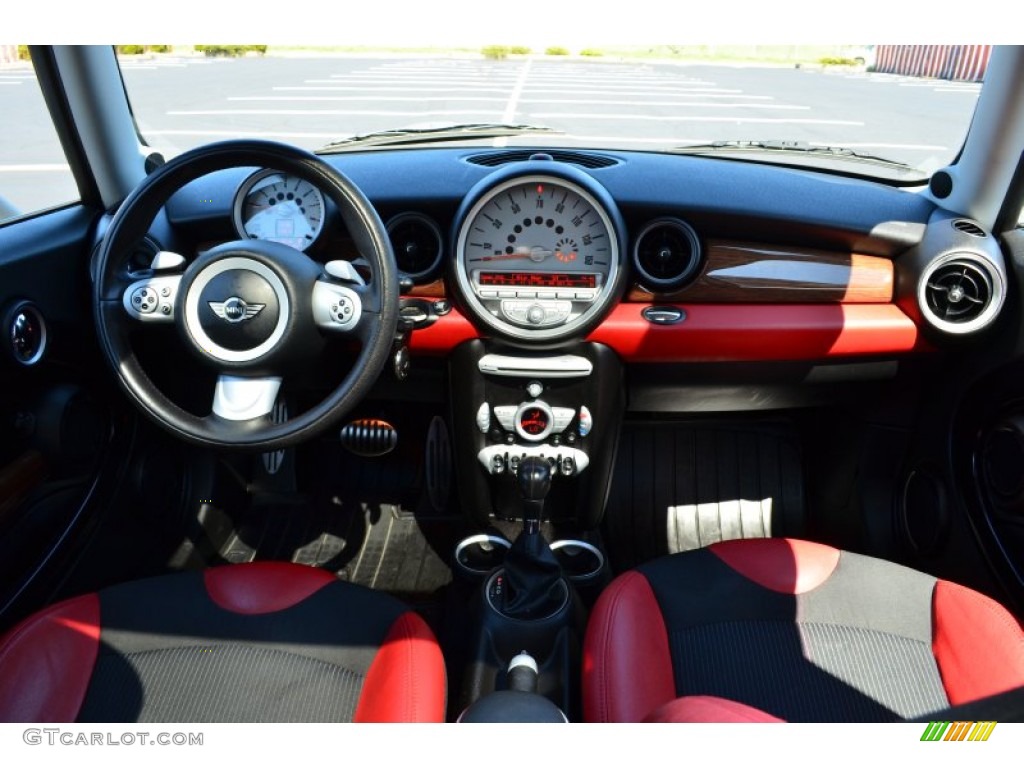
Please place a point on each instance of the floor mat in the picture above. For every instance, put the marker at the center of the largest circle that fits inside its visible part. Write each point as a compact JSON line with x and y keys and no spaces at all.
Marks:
{"x":376,"y":545}
{"x":680,"y":486}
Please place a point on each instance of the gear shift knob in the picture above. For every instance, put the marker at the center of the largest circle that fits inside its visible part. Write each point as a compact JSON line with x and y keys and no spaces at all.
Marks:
{"x":534,"y":478}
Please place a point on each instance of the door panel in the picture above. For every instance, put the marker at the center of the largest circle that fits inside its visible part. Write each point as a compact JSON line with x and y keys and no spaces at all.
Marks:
{"x":54,"y":421}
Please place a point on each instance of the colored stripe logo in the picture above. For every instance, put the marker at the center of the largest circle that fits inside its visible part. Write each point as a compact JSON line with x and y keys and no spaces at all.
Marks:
{"x":958,"y":731}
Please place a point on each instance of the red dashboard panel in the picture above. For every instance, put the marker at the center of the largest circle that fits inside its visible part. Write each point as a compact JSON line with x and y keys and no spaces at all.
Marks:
{"x":728,"y":333}
{"x":743,"y":332}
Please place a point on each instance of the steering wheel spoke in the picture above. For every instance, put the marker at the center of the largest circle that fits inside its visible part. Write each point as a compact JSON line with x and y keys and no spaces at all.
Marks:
{"x":151,"y":299}
{"x":336,"y":308}
{"x":243,"y":398}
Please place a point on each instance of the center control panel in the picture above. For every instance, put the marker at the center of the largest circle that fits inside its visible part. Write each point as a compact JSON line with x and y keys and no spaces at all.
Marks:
{"x":533,"y":428}
{"x":563,"y":405}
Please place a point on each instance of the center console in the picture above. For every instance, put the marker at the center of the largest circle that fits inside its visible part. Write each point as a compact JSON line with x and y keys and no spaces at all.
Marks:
{"x":535,"y":414}
{"x":534,"y":438}
{"x":509,"y":404}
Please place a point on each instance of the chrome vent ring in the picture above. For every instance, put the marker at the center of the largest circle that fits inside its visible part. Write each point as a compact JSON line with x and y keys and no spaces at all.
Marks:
{"x":961,"y":294}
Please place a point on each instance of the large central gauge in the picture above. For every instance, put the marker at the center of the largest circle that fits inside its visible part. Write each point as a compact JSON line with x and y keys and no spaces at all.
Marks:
{"x":538,"y":255}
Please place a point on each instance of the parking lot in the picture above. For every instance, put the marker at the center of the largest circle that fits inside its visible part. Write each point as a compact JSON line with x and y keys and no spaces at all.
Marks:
{"x":183,"y":102}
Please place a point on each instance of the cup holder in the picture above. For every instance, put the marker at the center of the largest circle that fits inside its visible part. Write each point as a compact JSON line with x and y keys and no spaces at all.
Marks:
{"x":581,"y":561}
{"x":476,"y":556}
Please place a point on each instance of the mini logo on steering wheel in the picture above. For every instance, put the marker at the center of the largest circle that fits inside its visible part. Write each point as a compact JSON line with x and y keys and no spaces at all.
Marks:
{"x":235,"y":310}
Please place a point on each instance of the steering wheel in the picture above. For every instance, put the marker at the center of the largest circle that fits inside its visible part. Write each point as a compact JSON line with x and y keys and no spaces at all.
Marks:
{"x":249,"y":310}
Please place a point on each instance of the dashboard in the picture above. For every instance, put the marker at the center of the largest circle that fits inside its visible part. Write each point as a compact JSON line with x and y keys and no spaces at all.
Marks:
{"x":664,"y":258}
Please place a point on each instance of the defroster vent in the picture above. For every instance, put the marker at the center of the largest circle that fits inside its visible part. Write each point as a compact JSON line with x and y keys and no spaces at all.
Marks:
{"x":582,"y":159}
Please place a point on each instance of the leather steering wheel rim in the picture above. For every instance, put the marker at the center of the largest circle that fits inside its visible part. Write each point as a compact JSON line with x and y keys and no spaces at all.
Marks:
{"x":132,"y":220}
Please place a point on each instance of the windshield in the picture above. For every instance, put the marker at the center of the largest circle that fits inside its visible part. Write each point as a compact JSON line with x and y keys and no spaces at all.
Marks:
{"x":910,"y":104}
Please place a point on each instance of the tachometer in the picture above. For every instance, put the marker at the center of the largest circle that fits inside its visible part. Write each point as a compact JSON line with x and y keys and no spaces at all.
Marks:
{"x":538,"y":254}
{"x":279,"y":207}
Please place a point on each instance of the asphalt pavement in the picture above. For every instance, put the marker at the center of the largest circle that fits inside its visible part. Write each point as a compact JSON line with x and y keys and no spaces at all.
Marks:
{"x":183,"y":102}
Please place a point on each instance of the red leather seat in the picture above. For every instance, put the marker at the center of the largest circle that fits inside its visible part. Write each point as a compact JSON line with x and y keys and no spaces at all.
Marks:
{"x":241,"y":643}
{"x":780,"y":629}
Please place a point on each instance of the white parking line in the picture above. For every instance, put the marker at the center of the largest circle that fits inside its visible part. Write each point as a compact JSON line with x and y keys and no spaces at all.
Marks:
{"x":414,"y":77}
{"x":617,"y":140}
{"x":413,"y":82}
{"x":385,"y":89}
{"x":513,"y":100}
{"x":278,"y":134}
{"x":694,"y":119}
{"x":401,"y":99}
{"x":630,"y":103}
{"x":510,"y":108}
{"x":531,"y":86}
{"x":563,"y":77}
{"x":676,"y":141}
{"x":710,"y":93}
{"x":35,"y":168}
{"x":297,"y":112}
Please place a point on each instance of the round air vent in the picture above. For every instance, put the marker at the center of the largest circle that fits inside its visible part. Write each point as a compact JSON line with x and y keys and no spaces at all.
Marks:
{"x":960,"y":294}
{"x":417,"y":243}
{"x":26,"y":333}
{"x":968,"y":227}
{"x":667,"y":254}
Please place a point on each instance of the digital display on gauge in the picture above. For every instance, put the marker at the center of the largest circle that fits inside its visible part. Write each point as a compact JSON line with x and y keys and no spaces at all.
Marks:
{"x":539,"y":279}
{"x":533,"y":421}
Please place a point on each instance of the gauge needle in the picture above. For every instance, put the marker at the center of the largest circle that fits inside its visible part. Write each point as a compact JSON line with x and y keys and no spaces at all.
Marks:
{"x":536,"y":253}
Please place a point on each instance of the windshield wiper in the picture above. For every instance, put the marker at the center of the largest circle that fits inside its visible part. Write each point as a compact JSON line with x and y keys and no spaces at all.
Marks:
{"x":399,"y":136}
{"x":793,"y":148}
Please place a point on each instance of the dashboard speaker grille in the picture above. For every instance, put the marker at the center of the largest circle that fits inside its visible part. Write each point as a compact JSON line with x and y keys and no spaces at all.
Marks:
{"x":582,"y":159}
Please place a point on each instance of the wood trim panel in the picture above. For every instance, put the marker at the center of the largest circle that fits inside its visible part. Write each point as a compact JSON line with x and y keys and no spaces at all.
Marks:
{"x":753,"y":273}
{"x":434,"y":290}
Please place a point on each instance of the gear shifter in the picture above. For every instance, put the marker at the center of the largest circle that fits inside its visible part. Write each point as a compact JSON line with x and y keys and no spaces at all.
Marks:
{"x":533,"y":576}
{"x":534,"y":478}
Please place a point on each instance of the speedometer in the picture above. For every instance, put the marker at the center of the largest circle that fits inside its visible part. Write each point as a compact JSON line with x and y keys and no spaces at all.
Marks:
{"x":538,"y":254}
{"x":279,"y":207}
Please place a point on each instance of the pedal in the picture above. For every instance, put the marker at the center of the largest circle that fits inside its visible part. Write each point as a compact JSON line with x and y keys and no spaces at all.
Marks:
{"x":369,"y":437}
{"x":438,"y":464}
